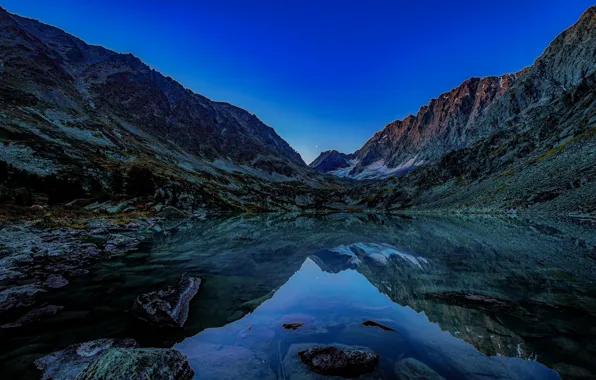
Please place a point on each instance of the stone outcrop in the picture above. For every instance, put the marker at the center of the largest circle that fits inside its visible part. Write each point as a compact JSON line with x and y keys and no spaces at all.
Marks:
{"x":68,"y":363}
{"x":114,"y":359}
{"x":168,"y":307}
{"x":138,"y":364}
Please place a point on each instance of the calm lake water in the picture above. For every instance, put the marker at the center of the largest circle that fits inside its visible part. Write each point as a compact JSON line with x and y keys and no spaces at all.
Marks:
{"x":470,"y":297}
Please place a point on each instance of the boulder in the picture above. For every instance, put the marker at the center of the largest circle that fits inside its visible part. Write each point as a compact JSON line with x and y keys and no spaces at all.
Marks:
{"x":121,"y":244}
{"x":168,"y":307}
{"x":412,"y":369}
{"x":138,"y":364}
{"x":334,"y":361}
{"x":68,"y":363}
{"x":171,"y":212}
{"x":55,"y":281}
{"x":120,"y":207}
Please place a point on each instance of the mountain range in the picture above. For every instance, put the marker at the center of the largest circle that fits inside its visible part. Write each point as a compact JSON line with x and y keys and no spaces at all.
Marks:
{"x":85,"y":124}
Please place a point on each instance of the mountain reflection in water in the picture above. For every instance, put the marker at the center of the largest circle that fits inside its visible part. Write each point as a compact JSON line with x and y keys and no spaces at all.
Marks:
{"x":332,"y":307}
{"x":470,"y":297}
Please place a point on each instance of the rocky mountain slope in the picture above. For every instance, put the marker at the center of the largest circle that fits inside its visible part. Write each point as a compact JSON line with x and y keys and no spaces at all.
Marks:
{"x":81,"y":125}
{"x":540,"y":155}
{"x":82,"y":113}
{"x":477,"y":108}
{"x":446,"y":123}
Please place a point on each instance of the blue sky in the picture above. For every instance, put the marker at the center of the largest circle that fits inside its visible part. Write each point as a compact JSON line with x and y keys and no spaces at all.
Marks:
{"x":326,"y":74}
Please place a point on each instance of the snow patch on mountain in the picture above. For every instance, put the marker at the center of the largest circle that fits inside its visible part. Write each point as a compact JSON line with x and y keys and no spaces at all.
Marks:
{"x":377,"y":169}
{"x":378,"y":252}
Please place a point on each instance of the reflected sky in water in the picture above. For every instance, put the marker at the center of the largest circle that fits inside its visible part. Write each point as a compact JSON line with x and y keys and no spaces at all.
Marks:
{"x":470,"y":297}
{"x":332,"y":307}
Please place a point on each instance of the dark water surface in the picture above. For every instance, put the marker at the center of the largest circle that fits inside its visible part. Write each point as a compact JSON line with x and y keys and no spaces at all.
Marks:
{"x":470,"y":297}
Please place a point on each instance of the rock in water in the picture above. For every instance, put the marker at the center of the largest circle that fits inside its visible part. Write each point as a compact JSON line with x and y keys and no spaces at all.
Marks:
{"x":138,"y":364}
{"x":411,"y":369}
{"x":56,"y":281}
{"x":293,"y":325}
{"x":171,"y":212}
{"x":333,"y":361}
{"x":377,"y":324}
{"x":121,"y":244}
{"x":18,"y":296}
{"x":68,"y":363}
{"x":34,"y":316}
{"x":168,"y":307}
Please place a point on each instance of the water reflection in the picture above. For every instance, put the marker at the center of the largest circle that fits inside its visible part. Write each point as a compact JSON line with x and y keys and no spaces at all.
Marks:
{"x":468,"y":296}
{"x":332,"y":307}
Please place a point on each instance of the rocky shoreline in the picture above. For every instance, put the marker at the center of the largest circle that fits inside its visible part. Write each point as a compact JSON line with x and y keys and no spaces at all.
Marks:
{"x":114,"y":359}
{"x":35,"y":260}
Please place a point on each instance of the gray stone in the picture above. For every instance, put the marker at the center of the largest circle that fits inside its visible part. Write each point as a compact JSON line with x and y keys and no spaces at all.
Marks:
{"x":334,"y":361}
{"x":68,"y":363}
{"x":171,"y":212}
{"x":118,"y":244}
{"x":412,"y":369}
{"x":34,"y":316}
{"x":18,"y":296}
{"x":56,"y":281}
{"x":138,"y":364}
{"x":168,"y":307}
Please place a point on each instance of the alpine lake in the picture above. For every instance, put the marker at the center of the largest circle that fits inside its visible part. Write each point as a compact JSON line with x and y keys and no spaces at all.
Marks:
{"x":453,"y":297}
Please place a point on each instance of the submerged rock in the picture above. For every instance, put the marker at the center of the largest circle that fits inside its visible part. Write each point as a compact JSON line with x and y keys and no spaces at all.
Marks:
{"x":412,"y":369}
{"x":168,"y":307}
{"x":171,"y":212}
{"x":68,"y":363}
{"x":334,"y":361}
{"x":138,"y":364}
{"x":121,"y":244}
{"x":377,"y":324}
{"x":56,"y":281}
{"x":34,"y":315}
{"x":293,"y":326}
{"x":18,"y":296}
{"x":221,"y":362}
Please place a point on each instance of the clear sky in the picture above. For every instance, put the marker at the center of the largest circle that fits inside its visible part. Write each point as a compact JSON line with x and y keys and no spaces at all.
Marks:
{"x":326,"y":74}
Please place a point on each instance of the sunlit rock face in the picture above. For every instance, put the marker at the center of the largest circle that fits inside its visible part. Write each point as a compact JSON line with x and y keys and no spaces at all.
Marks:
{"x":446,"y":123}
{"x":514,"y":116}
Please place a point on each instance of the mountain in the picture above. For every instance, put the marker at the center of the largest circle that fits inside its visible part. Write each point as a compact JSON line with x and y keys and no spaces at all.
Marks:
{"x":534,"y":148}
{"x":330,"y":161}
{"x":446,"y":123}
{"x":82,"y":113}
{"x":477,"y":108}
{"x":81,"y":125}
{"x":99,"y":86}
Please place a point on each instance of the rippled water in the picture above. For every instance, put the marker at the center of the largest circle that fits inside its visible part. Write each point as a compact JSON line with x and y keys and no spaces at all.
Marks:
{"x":470,"y":297}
